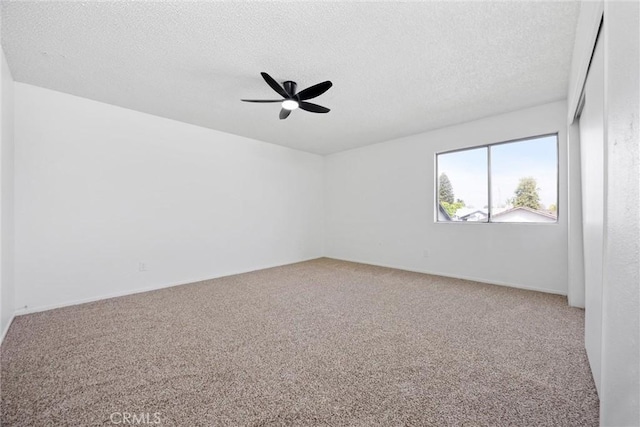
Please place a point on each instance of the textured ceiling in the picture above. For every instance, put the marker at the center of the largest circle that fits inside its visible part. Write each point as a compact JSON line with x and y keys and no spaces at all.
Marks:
{"x":397,"y":68}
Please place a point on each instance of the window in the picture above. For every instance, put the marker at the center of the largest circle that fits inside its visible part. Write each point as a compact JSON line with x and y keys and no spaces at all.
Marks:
{"x":505,"y":182}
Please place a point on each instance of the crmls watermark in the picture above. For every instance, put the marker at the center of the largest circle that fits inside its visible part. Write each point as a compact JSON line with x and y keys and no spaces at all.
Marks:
{"x":127,"y":418}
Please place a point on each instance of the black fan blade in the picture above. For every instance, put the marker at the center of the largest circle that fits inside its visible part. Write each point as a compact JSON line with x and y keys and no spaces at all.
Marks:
{"x":315,"y":90}
{"x":314,"y":108}
{"x":274,"y":85}
{"x":284,"y":113}
{"x":261,"y":100}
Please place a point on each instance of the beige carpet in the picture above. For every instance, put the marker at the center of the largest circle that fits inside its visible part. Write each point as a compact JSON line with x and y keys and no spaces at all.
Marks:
{"x":323,"y":342}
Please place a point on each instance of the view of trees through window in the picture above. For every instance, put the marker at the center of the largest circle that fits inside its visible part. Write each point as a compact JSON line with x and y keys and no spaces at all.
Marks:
{"x":523,"y":176}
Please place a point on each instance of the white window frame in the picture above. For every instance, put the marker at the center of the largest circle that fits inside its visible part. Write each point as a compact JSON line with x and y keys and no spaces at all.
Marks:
{"x":489,"y":193}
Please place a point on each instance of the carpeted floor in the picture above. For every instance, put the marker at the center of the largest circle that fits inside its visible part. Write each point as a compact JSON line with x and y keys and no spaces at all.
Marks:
{"x":323,"y":342}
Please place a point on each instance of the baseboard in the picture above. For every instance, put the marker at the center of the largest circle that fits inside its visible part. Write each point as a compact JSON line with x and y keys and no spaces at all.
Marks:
{"x":29,"y":310}
{"x":6,"y":329}
{"x":436,"y":273}
{"x":37,"y":309}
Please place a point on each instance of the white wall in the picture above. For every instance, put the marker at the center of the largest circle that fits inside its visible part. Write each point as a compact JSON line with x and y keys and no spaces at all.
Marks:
{"x":100,"y":189}
{"x":379,"y":203}
{"x":6,"y":197}
{"x":620,"y":386}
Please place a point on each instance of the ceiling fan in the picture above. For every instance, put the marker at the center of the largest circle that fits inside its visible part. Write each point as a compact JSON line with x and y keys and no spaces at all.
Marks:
{"x":292,"y":100}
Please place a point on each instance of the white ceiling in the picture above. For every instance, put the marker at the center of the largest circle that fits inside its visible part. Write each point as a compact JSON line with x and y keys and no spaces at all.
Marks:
{"x":397,"y":68}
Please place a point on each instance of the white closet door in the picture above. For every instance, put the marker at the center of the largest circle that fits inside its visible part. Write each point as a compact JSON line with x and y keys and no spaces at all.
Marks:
{"x":592,"y":151}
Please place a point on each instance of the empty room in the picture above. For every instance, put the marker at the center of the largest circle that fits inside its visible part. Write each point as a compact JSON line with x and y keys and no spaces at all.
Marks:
{"x":332,"y":213}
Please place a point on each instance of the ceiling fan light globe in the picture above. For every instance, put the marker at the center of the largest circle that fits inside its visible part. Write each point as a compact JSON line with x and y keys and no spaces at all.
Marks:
{"x":290,"y":104}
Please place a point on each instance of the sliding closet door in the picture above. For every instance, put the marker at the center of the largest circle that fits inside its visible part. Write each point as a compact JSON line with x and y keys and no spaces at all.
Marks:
{"x":593,"y":164}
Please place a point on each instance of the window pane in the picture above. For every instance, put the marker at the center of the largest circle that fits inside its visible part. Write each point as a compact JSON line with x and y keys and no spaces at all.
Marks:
{"x":462,"y":186}
{"x":524,"y":181}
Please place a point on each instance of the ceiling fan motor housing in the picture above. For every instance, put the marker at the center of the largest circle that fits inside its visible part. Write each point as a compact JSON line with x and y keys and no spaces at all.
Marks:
{"x":290,"y":88}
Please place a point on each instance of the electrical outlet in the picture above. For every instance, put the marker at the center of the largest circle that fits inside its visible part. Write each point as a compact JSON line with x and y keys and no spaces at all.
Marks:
{"x":425,"y":254}
{"x":142,"y":267}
